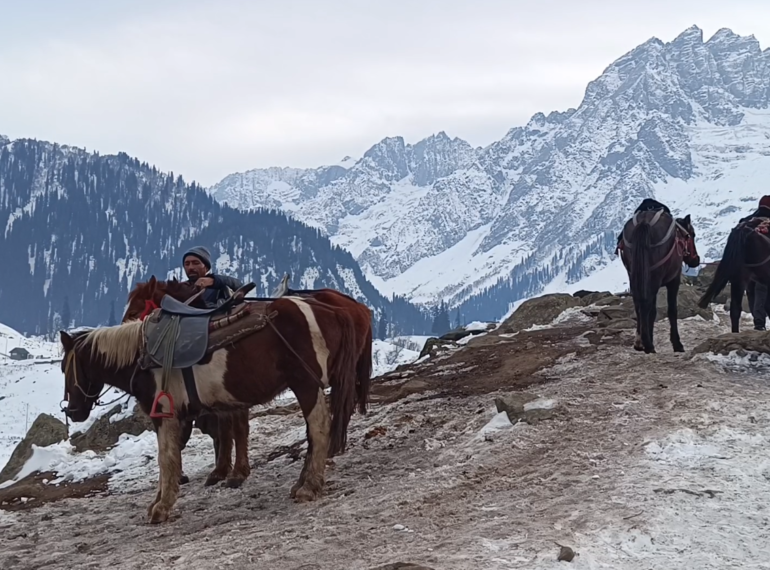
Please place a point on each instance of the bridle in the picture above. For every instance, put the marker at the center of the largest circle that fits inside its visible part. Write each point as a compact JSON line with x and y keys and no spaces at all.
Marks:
{"x":70,"y":364}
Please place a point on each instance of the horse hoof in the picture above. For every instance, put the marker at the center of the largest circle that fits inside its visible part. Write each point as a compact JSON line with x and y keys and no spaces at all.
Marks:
{"x":649,"y":351}
{"x":234,"y":482}
{"x":159,"y":514}
{"x":679,"y":348}
{"x":213,"y":479}
{"x":184,"y":479}
{"x":638,"y":347}
{"x":305,"y":495}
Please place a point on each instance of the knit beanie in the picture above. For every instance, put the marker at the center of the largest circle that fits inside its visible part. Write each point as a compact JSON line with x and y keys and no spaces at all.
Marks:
{"x":201,"y":253}
{"x":764,"y":202}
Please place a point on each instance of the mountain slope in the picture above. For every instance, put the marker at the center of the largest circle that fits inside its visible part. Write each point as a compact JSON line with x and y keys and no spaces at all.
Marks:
{"x":685,"y":121}
{"x":80,"y":229}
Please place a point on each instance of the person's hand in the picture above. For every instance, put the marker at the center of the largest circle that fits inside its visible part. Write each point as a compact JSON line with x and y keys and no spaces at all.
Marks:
{"x":204,"y":282}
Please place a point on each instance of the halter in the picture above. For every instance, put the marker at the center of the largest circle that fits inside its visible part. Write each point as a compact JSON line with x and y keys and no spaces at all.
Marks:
{"x":70,"y":363}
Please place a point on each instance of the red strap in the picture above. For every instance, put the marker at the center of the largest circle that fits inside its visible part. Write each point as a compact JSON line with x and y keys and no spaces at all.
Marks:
{"x":149,"y":307}
{"x":154,"y":413}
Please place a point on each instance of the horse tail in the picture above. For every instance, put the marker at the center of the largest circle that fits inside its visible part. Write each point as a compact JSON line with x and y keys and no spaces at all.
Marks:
{"x":364,"y":371}
{"x":343,"y":383}
{"x":640,"y":261}
{"x":730,"y":266}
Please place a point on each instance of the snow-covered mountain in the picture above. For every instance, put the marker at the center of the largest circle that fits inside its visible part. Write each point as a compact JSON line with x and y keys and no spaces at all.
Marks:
{"x":686,"y":122}
{"x":80,"y":229}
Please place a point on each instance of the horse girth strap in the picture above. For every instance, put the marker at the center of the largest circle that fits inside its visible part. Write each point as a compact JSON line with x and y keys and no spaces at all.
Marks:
{"x":669,"y":233}
{"x":305,"y":365}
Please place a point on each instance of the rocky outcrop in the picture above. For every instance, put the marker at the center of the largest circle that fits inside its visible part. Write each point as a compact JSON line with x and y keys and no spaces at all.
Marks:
{"x":539,"y":311}
{"x":104,"y":433}
{"x":45,"y":430}
{"x":742,"y":342}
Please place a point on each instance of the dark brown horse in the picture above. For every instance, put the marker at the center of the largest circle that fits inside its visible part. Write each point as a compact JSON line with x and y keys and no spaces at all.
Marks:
{"x":224,"y":427}
{"x":746,"y":258}
{"x":653,"y":249}
{"x":302,"y":345}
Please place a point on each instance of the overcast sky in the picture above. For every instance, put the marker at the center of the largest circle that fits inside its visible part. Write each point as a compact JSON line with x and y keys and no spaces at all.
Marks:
{"x":206,"y":88}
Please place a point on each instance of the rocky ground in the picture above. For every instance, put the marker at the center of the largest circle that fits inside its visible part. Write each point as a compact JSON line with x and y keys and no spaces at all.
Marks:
{"x":614,"y":459}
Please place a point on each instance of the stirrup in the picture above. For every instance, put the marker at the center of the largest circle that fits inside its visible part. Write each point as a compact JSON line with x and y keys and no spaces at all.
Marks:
{"x":155,"y":414}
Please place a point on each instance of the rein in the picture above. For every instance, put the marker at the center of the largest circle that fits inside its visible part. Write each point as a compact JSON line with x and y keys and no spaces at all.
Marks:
{"x":71,"y":365}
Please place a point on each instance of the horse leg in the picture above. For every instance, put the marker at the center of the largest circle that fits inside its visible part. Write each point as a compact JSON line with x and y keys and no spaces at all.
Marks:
{"x":672,"y":290}
{"x":241,"y":469}
{"x":736,"y":303}
{"x":170,"y":465}
{"x":187,"y":427}
{"x":758,"y":309}
{"x":638,"y":340}
{"x":318,"y":419}
{"x":223,"y":452}
{"x":648,"y":312}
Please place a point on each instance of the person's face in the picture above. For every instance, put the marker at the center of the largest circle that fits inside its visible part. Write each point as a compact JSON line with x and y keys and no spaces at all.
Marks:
{"x":194,"y":267}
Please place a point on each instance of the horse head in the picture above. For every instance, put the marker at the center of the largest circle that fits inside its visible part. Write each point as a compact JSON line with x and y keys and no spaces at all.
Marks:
{"x":691,"y":257}
{"x":81,"y":391}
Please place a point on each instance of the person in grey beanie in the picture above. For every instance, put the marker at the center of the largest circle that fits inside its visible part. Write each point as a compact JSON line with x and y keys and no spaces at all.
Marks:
{"x":197,"y":266}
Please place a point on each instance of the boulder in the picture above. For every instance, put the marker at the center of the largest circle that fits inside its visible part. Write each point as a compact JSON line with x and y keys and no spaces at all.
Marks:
{"x":743,"y":342}
{"x":687,"y":304}
{"x":539,"y":311}
{"x":598,"y":298}
{"x":434,"y":346}
{"x":623,"y":310}
{"x":704,"y":278}
{"x":104,"y":433}
{"x":521,"y":406}
{"x":45,"y":430}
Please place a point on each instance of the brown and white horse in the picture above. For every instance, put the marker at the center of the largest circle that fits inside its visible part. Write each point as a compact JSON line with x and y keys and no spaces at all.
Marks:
{"x":228,"y":428}
{"x":301,"y":329}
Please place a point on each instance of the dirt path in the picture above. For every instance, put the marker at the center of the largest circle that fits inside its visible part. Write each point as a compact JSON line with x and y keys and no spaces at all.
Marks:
{"x":655,"y":461}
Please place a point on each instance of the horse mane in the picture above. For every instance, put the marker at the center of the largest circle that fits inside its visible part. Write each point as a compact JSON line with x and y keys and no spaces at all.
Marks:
{"x":118,"y":345}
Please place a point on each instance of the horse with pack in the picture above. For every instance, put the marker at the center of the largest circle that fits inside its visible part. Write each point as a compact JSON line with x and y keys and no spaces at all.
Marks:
{"x":230,"y":429}
{"x":653,"y":245}
{"x":745,"y":265}
{"x":180,"y":360}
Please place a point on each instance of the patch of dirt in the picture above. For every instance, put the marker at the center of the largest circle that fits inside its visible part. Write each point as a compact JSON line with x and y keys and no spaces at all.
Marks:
{"x":493,"y":362}
{"x":33,"y":491}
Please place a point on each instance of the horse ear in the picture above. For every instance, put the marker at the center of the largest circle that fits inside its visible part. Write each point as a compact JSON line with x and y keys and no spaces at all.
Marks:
{"x":687,"y":218}
{"x":66,"y":341}
{"x":152,"y":281}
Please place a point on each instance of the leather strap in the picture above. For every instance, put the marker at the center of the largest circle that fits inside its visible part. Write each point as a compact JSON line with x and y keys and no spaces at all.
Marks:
{"x":192,"y":390}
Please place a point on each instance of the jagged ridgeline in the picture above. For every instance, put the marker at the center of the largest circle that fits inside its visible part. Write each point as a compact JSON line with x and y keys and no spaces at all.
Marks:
{"x":80,"y":229}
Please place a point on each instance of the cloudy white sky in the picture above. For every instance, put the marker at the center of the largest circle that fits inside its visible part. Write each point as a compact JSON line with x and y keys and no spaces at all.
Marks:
{"x":206,"y":88}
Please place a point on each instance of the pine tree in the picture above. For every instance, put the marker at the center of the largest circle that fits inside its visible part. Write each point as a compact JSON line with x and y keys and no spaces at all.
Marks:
{"x":442,"y":320}
{"x":65,"y":314}
{"x":111,"y":322}
{"x":382,"y":327}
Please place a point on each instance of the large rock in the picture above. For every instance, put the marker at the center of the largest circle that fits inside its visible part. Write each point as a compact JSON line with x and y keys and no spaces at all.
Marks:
{"x":539,"y":311}
{"x":45,"y":430}
{"x":704,"y":278}
{"x":747,"y":341}
{"x":435,"y":346}
{"x":686,"y":302}
{"x":104,"y":433}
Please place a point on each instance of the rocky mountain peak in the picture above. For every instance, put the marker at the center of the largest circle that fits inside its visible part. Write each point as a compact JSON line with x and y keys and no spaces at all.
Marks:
{"x":469,"y":225}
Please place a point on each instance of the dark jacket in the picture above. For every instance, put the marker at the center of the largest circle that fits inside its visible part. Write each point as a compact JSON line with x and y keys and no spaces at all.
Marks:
{"x":217,"y":293}
{"x":761,"y":212}
{"x":648,"y":204}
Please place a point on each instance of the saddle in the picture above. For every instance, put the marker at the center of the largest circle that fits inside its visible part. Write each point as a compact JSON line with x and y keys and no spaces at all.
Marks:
{"x":178,"y":336}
